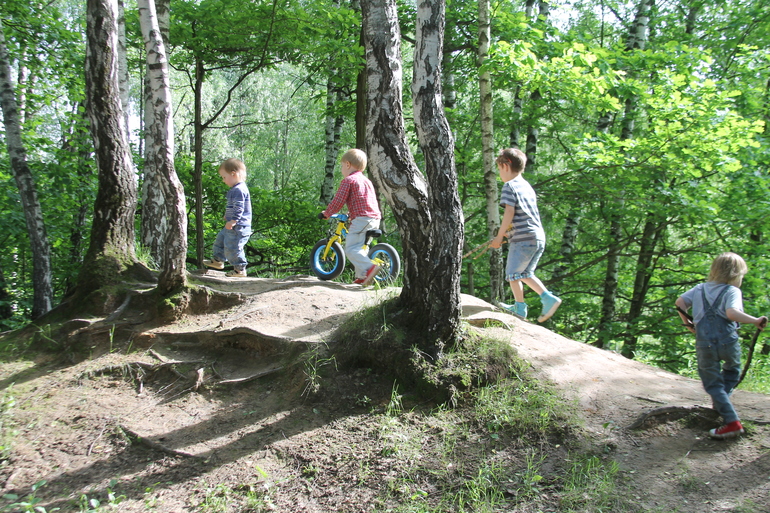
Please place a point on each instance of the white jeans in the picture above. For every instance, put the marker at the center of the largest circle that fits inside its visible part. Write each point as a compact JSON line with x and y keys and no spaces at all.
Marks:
{"x":354,"y":243}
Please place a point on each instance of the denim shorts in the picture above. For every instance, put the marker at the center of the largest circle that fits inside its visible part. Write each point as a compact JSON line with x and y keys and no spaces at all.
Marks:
{"x":523,"y":257}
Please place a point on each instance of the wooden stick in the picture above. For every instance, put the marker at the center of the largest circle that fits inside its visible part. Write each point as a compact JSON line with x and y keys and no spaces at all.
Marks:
{"x":477,"y":248}
{"x":750,"y":356}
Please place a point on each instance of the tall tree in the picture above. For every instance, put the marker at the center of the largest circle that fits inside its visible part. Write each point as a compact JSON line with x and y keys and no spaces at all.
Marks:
{"x":33,"y":214}
{"x":168,"y":212}
{"x":430,"y":293}
{"x":333,"y":129}
{"x":154,"y":220}
{"x":111,"y":252}
{"x":488,"y":151}
{"x":442,"y":281}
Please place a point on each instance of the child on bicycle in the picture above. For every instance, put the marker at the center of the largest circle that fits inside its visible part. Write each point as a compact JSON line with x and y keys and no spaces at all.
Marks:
{"x":526,"y":238}
{"x":231,"y":240}
{"x":717,"y":306}
{"x":357,"y":192}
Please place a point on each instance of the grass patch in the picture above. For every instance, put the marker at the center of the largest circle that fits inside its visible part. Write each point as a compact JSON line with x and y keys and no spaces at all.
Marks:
{"x":373,"y":338}
{"x":496,"y":439}
{"x":7,"y":402}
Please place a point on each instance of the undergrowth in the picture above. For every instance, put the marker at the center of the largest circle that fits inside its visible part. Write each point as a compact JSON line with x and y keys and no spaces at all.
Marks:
{"x":498,"y":439}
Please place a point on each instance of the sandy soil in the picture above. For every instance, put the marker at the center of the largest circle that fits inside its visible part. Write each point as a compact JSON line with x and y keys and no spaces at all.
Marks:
{"x":215,"y":418}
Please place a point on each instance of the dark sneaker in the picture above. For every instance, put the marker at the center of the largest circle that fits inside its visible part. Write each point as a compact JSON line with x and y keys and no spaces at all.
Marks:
{"x":236,"y":274}
{"x":550,"y":304}
{"x":730,"y":430}
{"x":214,"y":264}
{"x":370,"y":275}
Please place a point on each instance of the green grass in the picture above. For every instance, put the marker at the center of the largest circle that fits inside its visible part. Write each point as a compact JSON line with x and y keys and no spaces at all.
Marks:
{"x":7,"y":432}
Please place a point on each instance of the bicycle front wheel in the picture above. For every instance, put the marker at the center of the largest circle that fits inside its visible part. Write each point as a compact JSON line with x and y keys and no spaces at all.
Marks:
{"x":330,"y":267}
{"x":387,"y":258}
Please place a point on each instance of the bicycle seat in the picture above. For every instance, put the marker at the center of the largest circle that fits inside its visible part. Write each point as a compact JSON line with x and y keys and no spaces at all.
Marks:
{"x":374,"y":233}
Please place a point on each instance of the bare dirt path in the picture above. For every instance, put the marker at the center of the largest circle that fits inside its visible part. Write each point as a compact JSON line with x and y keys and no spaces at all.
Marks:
{"x":73,"y":431}
{"x":662,"y":460}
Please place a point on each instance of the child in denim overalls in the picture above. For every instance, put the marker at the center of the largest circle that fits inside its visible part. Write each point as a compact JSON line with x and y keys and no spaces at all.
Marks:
{"x":717,"y":306}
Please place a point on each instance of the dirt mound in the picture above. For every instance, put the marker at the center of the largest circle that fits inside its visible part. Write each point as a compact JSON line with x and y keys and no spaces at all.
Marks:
{"x":75,"y":422}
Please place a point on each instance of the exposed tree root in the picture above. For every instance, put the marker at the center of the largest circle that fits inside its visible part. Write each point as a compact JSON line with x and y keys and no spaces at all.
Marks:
{"x":137,"y":370}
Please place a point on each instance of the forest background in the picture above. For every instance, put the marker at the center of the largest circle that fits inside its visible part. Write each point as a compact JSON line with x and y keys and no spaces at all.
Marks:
{"x":645,"y":124}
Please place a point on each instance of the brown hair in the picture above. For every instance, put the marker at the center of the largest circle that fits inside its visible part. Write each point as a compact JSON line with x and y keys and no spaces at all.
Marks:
{"x":728,"y":268}
{"x":235,"y":166}
{"x":356,"y":158}
{"x":513,"y":157}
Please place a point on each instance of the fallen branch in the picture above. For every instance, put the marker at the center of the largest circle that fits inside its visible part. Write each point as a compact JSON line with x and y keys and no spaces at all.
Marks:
{"x":91,"y":447}
{"x":135,"y":437}
{"x":248,"y":378}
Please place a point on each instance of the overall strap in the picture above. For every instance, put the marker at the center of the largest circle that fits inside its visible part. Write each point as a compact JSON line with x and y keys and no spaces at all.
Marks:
{"x":706,"y":305}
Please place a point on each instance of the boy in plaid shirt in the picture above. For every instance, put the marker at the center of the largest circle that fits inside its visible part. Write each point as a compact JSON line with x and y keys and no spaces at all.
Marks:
{"x":357,"y":192}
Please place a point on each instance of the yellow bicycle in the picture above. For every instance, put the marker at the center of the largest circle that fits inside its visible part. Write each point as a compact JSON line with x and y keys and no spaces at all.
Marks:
{"x":327,"y":260}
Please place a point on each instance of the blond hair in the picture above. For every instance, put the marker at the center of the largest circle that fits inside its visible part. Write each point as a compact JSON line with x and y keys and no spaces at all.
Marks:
{"x":728,"y":268}
{"x":513,"y":157}
{"x":356,"y":158}
{"x":235,"y":166}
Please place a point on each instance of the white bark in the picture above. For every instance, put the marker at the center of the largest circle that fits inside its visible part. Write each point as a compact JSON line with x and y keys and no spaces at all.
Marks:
{"x":123,"y":80}
{"x":41,"y":250}
{"x":488,"y":153}
{"x":164,"y":201}
{"x":437,"y":144}
{"x":333,"y":132}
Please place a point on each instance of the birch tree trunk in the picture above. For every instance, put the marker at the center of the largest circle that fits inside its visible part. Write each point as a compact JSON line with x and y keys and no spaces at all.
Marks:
{"x":496,"y":281}
{"x":77,"y":143}
{"x":111,"y":252}
{"x":42,"y":288}
{"x":442,"y":281}
{"x":361,"y":99}
{"x":396,"y":175}
{"x":168,"y":214}
{"x":533,"y":134}
{"x":332,"y":142}
{"x":123,"y":76}
{"x":154,"y":223}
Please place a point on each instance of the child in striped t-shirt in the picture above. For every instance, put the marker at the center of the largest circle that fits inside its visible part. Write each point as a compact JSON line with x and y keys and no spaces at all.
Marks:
{"x":525,"y":234}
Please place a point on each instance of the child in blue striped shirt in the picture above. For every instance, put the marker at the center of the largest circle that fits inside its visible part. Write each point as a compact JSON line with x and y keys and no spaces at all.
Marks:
{"x":521,"y":225}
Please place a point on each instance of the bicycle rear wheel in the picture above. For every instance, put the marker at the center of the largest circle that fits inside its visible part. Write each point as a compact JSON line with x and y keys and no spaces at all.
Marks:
{"x":387,"y":258}
{"x":330,"y":267}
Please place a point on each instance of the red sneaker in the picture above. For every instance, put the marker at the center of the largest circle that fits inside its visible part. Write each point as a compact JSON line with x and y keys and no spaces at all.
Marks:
{"x":358,"y":281}
{"x":371,"y":274}
{"x":730,"y":430}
